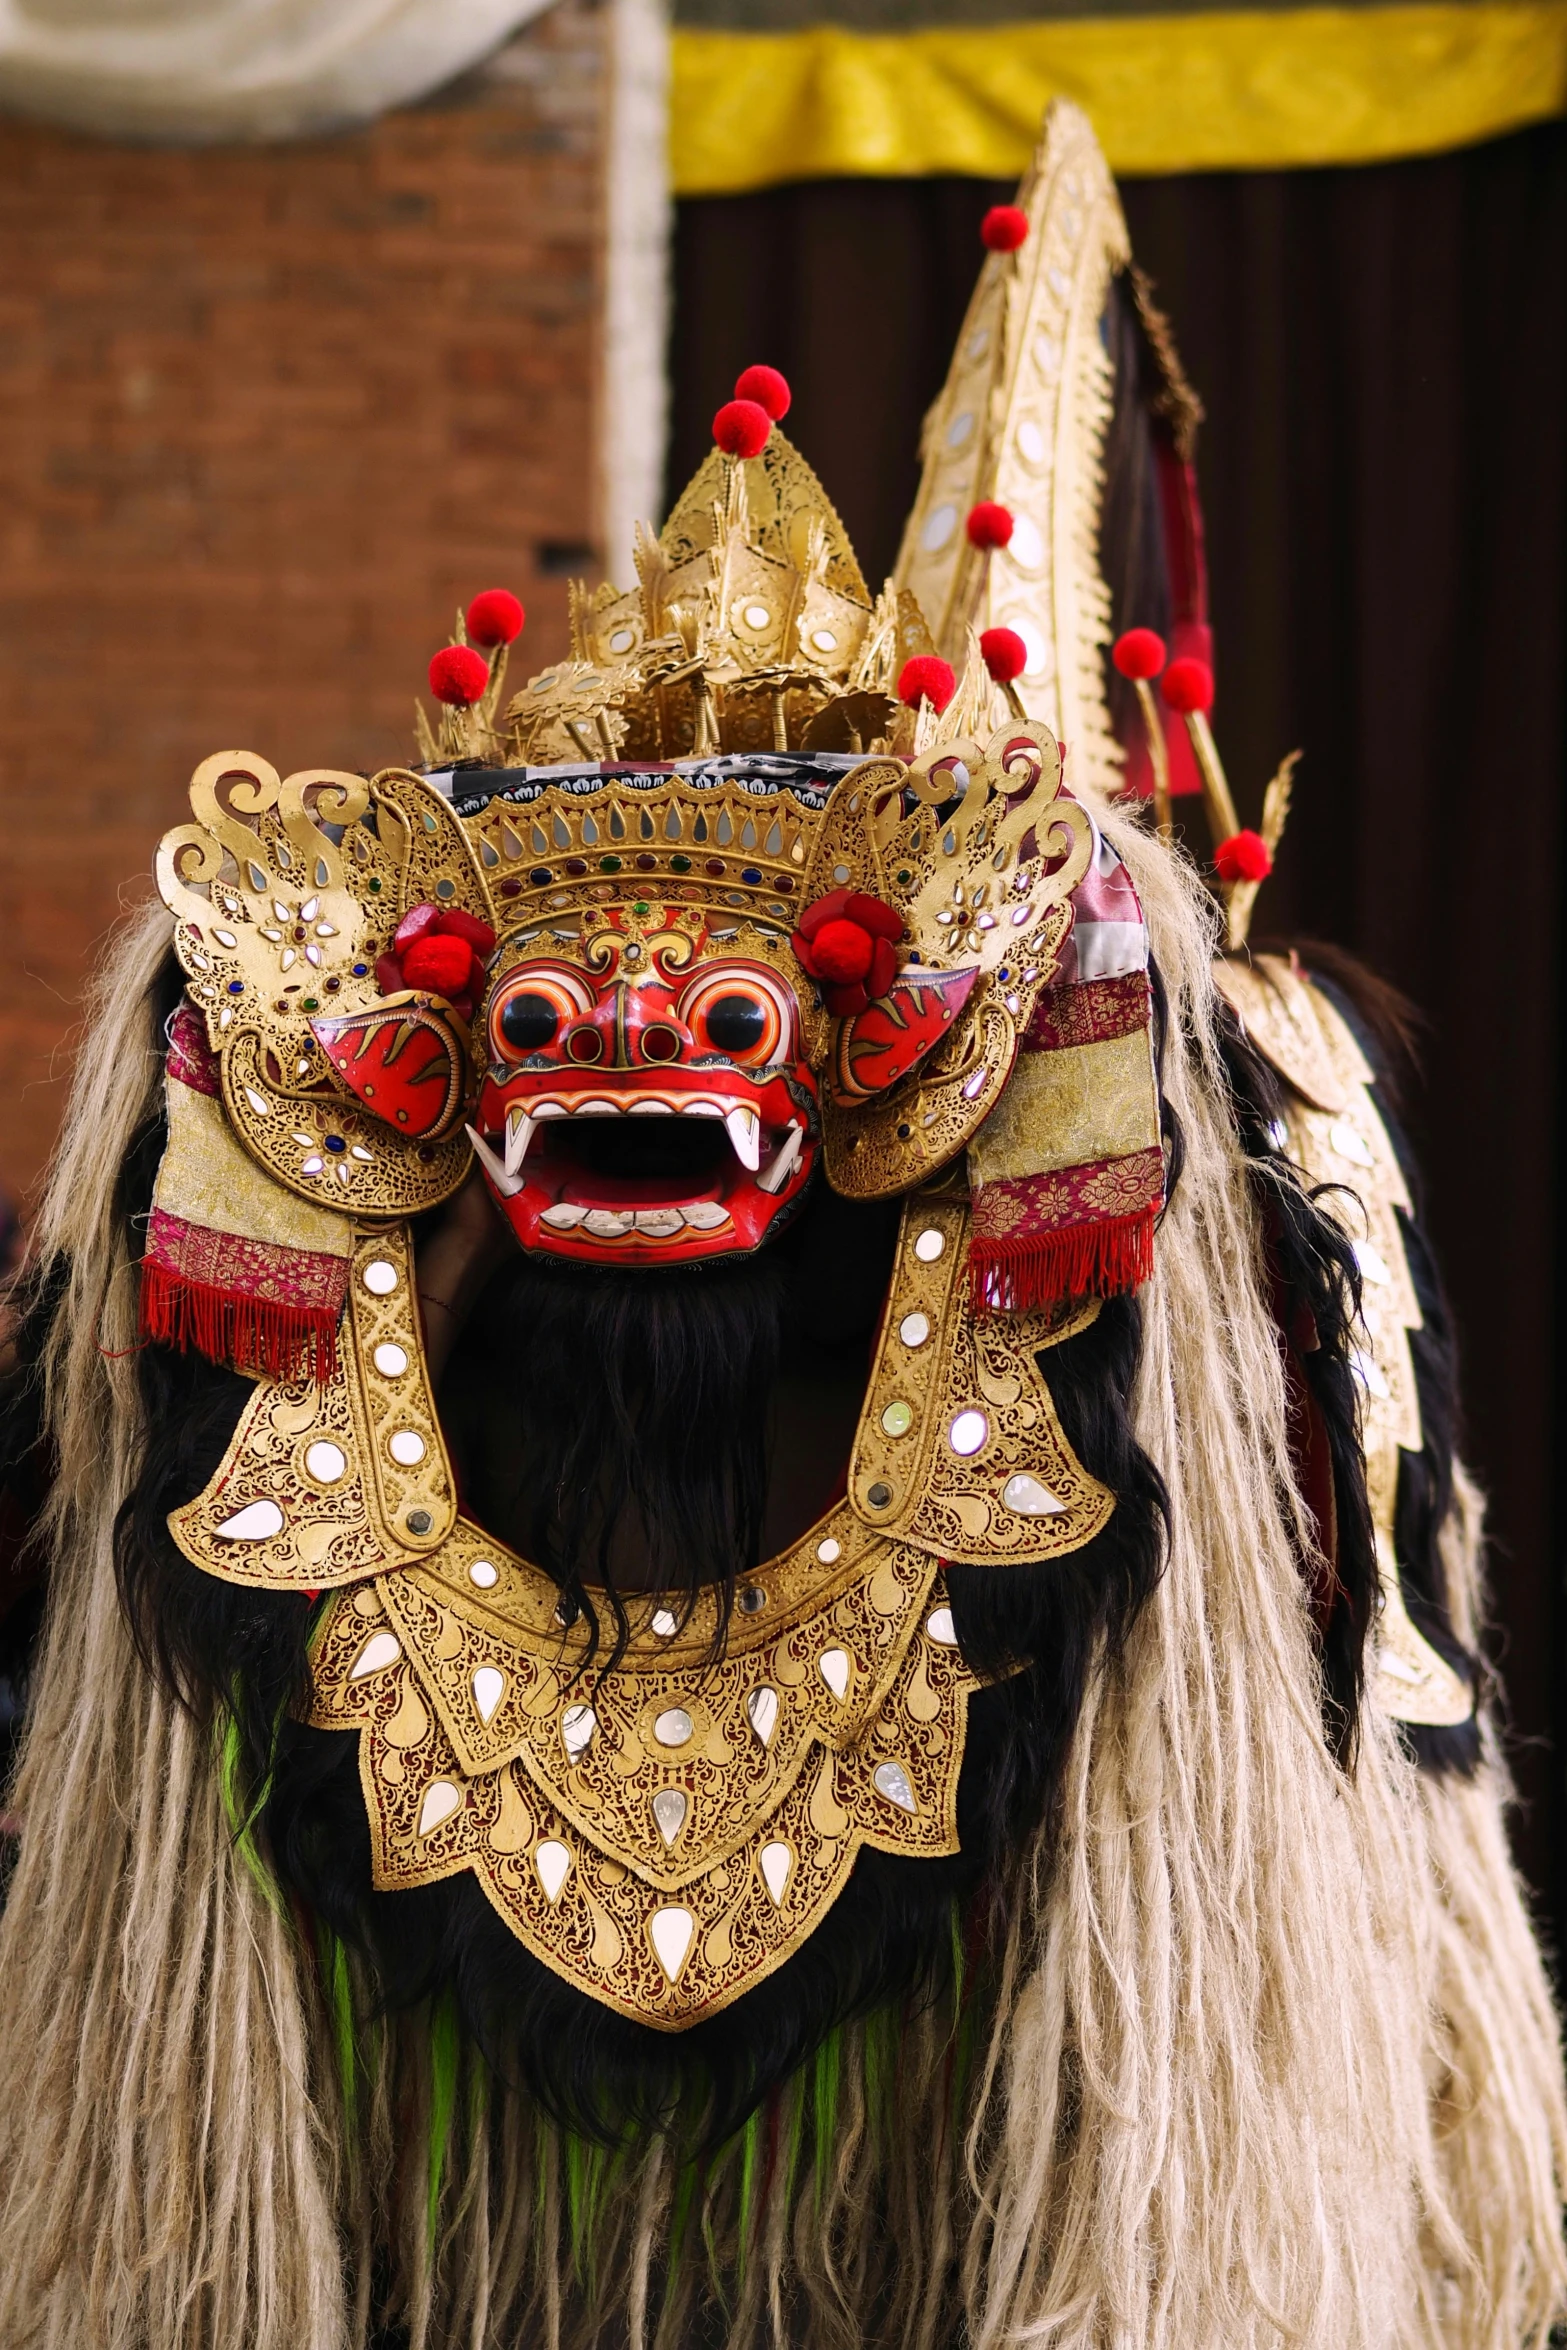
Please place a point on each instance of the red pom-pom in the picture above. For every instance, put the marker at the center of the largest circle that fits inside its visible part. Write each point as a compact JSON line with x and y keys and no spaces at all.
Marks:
{"x":495,"y":618}
{"x":741,"y":428}
{"x":458,"y":675}
{"x":989,"y":524}
{"x":767,"y":388}
{"x":443,"y":965}
{"x":1245,"y":856}
{"x":1004,"y":228}
{"x":1188,"y":685}
{"x":926,"y":678}
{"x":841,"y":952}
{"x":845,"y":940}
{"x":452,"y":922}
{"x":1139,"y":653}
{"x":1004,"y":654}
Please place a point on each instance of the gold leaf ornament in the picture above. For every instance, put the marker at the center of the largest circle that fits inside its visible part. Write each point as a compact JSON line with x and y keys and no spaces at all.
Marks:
{"x":285,"y":890}
{"x":979,"y":848}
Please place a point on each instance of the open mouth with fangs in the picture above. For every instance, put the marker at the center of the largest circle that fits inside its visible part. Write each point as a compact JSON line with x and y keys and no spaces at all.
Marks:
{"x":640,"y":1172}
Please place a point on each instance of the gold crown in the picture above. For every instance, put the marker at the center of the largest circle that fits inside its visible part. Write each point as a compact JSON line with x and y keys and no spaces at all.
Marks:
{"x":750,"y":630}
{"x":724,"y":833}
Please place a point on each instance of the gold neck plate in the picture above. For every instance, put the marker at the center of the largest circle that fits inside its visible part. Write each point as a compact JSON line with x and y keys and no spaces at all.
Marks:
{"x":665,"y":1835}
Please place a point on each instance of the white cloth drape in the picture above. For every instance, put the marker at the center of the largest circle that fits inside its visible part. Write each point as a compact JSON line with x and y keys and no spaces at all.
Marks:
{"x":638,"y":223}
{"x":208,"y":70}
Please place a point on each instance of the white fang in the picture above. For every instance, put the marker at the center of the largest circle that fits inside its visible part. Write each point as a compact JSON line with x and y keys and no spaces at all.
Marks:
{"x":745,"y":1133}
{"x":506,"y":1184}
{"x":519,"y":1133}
{"x":784,"y":1164}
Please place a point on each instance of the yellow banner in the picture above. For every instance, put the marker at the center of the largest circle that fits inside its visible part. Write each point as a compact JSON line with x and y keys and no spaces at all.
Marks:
{"x":1249,"y":90}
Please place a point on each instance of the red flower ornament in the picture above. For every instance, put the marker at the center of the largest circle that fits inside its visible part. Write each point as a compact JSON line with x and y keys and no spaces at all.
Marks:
{"x":440,"y":949}
{"x":846,"y":942}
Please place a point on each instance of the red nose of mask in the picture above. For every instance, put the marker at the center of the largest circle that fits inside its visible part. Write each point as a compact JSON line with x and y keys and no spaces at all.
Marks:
{"x":622,"y":1032}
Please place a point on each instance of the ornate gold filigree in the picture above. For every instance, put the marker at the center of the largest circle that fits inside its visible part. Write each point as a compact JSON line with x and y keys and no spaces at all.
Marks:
{"x":284,"y":891}
{"x":739,"y":844}
{"x":324,"y":1484}
{"x":959,"y":1448}
{"x":981,"y":865}
{"x":750,"y":629}
{"x":661,"y":1837}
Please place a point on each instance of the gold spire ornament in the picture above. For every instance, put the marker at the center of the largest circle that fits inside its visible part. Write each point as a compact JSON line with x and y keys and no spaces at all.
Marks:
{"x":1021,"y":423}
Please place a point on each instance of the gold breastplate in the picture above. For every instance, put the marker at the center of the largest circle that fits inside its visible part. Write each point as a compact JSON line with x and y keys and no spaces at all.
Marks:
{"x":665,"y":1835}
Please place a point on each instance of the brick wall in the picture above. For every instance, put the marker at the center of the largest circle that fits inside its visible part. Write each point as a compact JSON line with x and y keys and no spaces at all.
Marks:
{"x":266,"y":417}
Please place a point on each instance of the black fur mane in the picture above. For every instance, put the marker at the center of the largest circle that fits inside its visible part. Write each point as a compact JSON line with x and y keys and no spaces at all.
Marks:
{"x":242,"y":1656}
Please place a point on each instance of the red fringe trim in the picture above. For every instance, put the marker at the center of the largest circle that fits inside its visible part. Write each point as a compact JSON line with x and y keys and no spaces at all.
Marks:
{"x":1081,"y":1260}
{"x":253,"y":1334}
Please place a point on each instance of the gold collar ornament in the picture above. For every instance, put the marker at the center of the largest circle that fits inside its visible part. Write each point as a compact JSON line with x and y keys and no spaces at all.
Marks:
{"x":663,"y":1836}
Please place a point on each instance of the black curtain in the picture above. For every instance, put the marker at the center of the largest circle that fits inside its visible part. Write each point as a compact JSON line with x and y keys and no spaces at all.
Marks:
{"x":1383,"y":357}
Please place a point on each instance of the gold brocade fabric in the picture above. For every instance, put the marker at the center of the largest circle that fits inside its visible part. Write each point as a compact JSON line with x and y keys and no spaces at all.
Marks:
{"x":207,"y":1177}
{"x":665,"y":1835}
{"x":1336,"y":1137}
{"x":1083,"y":1103}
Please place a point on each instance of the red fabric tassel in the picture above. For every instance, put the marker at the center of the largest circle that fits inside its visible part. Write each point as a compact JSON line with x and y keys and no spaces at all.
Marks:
{"x":1081,"y":1260}
{"x":253,"y":1334}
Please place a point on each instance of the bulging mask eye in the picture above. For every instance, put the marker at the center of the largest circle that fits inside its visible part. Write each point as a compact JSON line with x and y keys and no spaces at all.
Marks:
{"x":528,"y":1022}
{"x":739,"y":1011}
{"x":531,"y":1007}
{"x":736,"y":1023}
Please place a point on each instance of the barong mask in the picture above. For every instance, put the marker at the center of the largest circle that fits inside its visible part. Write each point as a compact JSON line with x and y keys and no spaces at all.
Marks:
{"x":753,"y":891}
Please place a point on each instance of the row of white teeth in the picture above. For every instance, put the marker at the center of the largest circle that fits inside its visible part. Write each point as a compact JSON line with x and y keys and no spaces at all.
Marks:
{"x":741,"y":1122}
{"x":703,"y":1215}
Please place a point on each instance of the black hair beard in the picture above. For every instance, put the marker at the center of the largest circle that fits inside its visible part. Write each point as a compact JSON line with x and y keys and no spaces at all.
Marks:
{"x":615,"y":1429}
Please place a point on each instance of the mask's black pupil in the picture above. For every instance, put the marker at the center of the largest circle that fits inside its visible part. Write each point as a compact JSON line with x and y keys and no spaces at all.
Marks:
{"x":736,"y":1023}
{"x":528,"y":1022}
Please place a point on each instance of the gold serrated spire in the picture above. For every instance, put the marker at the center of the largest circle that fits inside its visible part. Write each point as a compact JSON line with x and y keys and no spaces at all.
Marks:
{"x":1022,"y":420}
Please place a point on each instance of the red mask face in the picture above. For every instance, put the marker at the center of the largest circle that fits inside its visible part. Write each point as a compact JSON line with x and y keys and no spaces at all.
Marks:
{"x":650,"y":1105}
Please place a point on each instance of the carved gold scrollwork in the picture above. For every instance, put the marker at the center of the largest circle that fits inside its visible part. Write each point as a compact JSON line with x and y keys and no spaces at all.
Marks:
{"x":982,"y":866}
{"x":285,"y":896}
{"x":310,"y":800}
